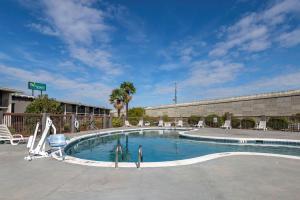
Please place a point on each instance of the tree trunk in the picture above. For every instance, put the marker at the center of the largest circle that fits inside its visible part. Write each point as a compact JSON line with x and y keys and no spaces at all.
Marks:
{"x":126,"y":111}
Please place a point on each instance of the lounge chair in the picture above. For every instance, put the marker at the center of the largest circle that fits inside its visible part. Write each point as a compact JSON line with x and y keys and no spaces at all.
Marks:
{"x":5,"y":135}
{"x":180,"y":123}
{"x":141,"y":123}
{"x":160,"y":123}
{"x":227,"y":124}
{"x":262,"y":126}
{"x":167,"y":124}
{"x":200,"y":124}
{"x":127,"y":124}
{"x":147,"y":123}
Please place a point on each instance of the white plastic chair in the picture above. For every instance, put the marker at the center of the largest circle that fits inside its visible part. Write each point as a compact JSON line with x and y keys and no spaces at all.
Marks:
{"x":127,"y":124}
{"x":227,"y":124}
{"x":141,"y":123}
{"x":160,"y":123}
{"x":200,"y":124}
{"x":167,"y":124}
{"x":180,"y":123}
{"x":262,"y":125}
{"x":5,"y":135}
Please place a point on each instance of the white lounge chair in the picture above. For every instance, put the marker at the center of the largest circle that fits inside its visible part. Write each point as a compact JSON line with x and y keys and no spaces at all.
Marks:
{"x":180,"y":123}
{"x":262,"y":126}
{"x":127,"y":124}
{"x":160,"y":123}
{"x":141,"y":123}
{"x":5,"y":135}
{"x":200,"y":124}
{"x":167,"y":124}
{"x":147,"y":123}
{"x":227,"y":124}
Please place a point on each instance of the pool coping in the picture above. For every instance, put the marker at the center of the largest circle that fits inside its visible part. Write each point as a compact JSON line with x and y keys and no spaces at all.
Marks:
{"x":183,"y":132}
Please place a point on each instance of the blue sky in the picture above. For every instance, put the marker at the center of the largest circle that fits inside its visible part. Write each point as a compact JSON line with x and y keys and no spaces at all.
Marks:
{"x":82,"y":49}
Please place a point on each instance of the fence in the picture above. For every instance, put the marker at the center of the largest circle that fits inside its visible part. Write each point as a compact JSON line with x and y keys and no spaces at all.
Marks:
{"x":25,"y":123}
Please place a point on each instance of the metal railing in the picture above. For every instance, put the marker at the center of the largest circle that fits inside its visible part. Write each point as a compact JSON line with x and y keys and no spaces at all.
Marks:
{"x":118,"y":150}
{"x":140,"y":156}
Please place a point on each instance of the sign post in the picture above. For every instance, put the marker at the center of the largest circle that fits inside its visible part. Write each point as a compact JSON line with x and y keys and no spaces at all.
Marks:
{"x":36,"y":86}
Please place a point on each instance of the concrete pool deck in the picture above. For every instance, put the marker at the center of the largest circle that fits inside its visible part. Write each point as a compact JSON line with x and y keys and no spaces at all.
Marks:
{"x":234,"y":177}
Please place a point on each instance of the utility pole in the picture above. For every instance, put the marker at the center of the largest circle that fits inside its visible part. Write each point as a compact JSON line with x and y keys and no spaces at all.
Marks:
{"x":175,"y":102}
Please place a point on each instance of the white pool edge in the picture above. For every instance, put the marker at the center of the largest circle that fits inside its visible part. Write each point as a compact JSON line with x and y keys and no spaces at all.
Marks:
{"x":183,"y":132}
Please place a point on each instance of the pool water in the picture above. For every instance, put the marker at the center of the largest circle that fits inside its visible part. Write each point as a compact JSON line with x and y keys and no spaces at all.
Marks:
{"x":160,"y":146}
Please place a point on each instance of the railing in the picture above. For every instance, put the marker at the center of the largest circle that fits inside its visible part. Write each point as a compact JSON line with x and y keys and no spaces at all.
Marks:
{"x":24,"y":123}
{"x":140,"y":156}
{"x":118,"y":150}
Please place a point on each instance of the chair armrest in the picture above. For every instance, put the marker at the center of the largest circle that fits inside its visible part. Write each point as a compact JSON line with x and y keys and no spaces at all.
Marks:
{"x":18,"y":136}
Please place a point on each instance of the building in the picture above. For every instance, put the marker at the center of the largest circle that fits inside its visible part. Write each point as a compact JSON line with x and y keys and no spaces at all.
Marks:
{"x":285,"y":103}
{"x":15,"y":101}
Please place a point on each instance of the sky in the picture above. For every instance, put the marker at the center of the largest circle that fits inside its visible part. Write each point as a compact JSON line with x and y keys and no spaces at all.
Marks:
{"x":82,"y":49}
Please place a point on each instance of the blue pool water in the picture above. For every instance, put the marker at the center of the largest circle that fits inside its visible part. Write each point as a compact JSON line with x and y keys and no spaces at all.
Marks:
{"x":160,"y":146}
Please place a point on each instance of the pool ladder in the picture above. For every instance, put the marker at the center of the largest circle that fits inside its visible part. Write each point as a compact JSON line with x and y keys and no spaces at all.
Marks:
{"x":119,"y":150}
{"x":140,"y":156}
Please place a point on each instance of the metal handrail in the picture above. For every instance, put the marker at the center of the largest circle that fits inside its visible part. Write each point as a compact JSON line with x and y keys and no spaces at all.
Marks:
{"x":140,"y":156}
{"x":118,"y":149}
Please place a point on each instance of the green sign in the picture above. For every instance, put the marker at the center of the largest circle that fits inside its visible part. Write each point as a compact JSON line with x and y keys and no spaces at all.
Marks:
{"x":37,"y":86}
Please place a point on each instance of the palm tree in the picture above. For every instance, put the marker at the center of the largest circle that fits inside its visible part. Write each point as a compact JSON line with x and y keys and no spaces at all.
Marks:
{"x":129,"y":89}
{"x":117,"y":99}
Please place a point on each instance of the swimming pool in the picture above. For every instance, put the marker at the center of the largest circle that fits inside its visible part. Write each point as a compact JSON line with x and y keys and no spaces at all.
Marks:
{"x":160,"y":146}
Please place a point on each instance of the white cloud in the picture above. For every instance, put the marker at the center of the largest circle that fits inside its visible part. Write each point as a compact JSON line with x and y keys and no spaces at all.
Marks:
{"x":83,"y":28}
{"x":4,"y":56}
{"x":256,"y":31}
{"x":43,"y":29}
{"x":208,"y":73}
{"x":276,"y":83}
{"x":170,"y":66}
{"x":73,"y":89}
{"x":290,"y":39}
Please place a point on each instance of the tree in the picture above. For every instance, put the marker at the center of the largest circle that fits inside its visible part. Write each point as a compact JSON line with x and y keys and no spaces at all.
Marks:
{"x":43,"y":104}
{"x":129,"y":89}
{"x":117,"y":99}
{"x":136,"y":112}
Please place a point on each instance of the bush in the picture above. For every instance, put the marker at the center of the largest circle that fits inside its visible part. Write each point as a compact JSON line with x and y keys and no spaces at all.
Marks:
{"x":235,"y":122}
{"x":152,"y":120}
{"x":209,"y":120}
{"x":67,"y":128}
{"x":133,"y":120}
{"x":136,"y":112}
{"x":165,"y":118}
{"x":193,"y":119}
{"x":117,"y":122}
{"x":248,"y":123}
{"x":278,"y":123}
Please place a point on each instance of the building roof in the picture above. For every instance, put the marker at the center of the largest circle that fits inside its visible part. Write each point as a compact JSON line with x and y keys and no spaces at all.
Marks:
{"x":231,"y":99}
{"x":10,"y":90}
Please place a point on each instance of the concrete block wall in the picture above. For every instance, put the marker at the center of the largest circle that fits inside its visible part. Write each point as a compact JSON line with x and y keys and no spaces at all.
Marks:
{"x":270,"y":104}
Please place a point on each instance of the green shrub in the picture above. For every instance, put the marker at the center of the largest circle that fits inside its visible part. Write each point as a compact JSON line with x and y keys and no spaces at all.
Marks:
{"x":209,"y":120}
{"x":193,"y":119}
{"x":152,"y":120}
{"x":165,"y":118}
{"x":248,"y":123}
{"x":117,"y":122}
{"x":67,"y":128}
{"x":133,"y":120}
{"x":136,"y":112}
{"x":235,"y":122}
{"x":278,"y":123}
